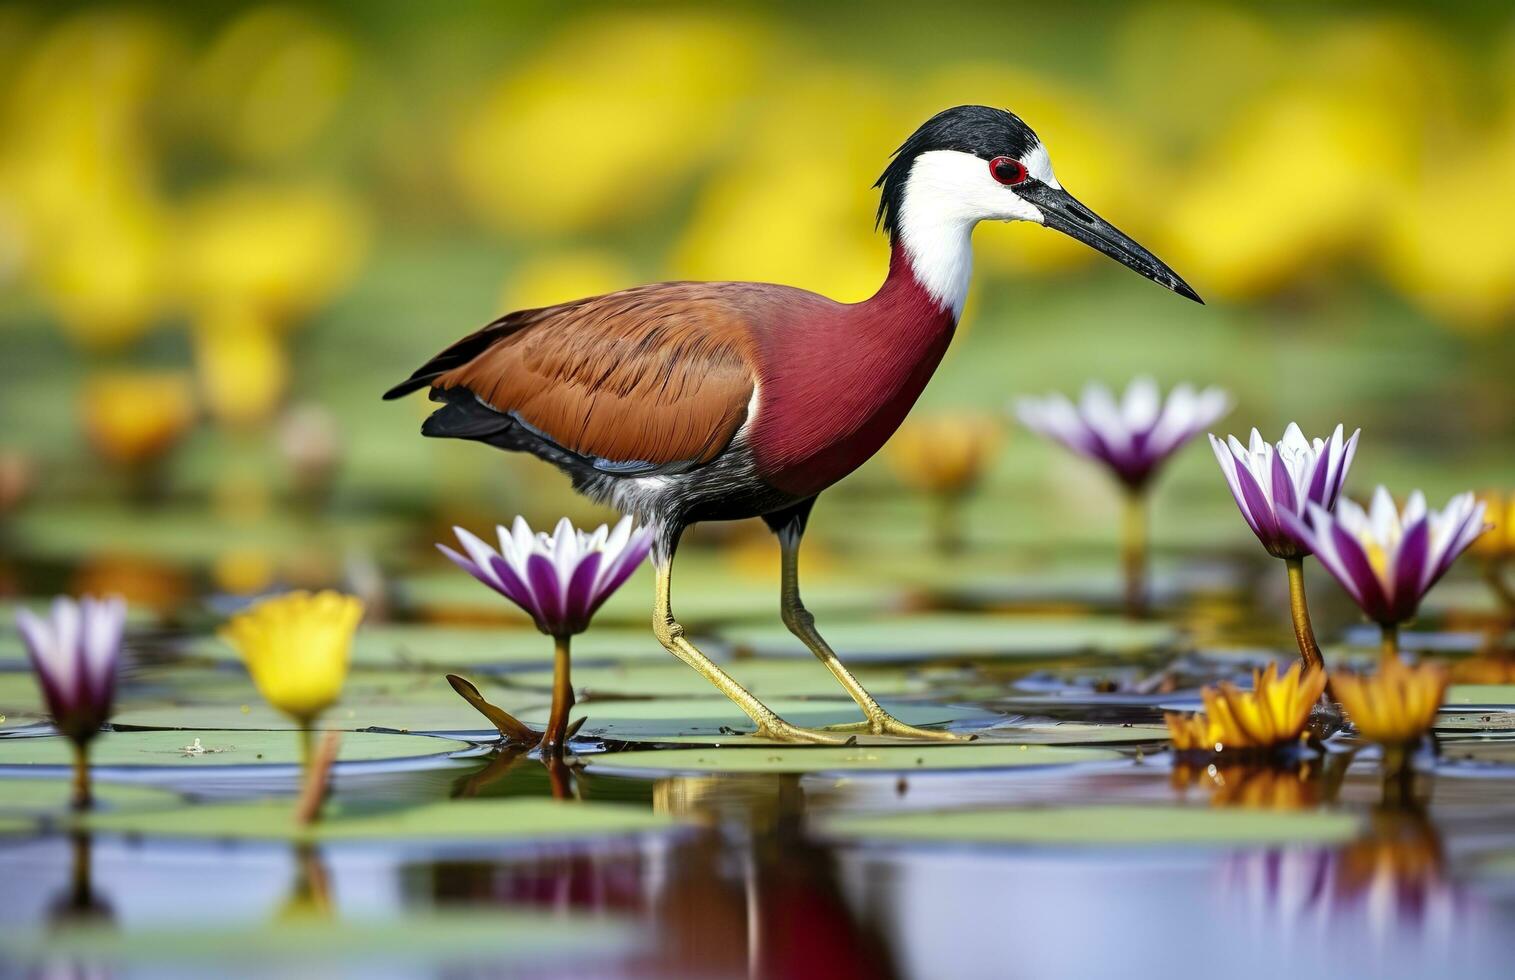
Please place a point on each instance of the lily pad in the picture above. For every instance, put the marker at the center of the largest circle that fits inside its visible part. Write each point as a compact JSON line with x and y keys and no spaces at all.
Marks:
{"x":216,"y":748}
{"x":1101,"y":826}
{"x":398,"y":715}
{"x":965,"y":636}
{"x":499,"y":937}
{"x":1492,"y":720}
{"x":53,"y":796}
{"x":825,"y":758}
{"x":1076,"y":733}
{"x":765,"y":678}
{"x":709,"y":721}
{"x":1491,"y":694}
{"x":507,"y":819}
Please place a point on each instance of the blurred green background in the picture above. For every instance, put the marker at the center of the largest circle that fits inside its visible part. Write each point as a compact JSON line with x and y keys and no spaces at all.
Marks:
{"x":226,"y":229}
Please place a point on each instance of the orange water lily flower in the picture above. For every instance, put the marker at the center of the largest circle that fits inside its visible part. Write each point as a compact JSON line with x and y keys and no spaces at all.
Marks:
{"x":1273,"y":713}
{"x":135,"y":417}
{"x":1397,"y":704}
{"x":944,"y":454}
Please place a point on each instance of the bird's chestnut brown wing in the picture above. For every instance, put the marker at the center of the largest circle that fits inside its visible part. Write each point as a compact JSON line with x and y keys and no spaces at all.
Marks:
{"x":659,"y":374}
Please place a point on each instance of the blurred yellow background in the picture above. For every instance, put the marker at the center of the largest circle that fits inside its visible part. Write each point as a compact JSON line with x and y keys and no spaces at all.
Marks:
{"x":224,"y":231}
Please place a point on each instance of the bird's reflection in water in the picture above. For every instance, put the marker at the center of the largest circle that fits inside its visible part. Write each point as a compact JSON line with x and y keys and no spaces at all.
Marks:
{"x":795,"y":919}
{"x":747,"y":895}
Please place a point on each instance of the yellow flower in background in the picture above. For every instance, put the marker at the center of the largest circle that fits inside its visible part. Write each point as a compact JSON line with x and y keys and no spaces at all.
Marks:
{"x":557,"y":277}
{"x":136,"y":417}
{"x":244,"y":571}
{"x":1457,"y":259}
{"x":794,"y":204}
{"x":945,"y":453}
{"x":279,"y":250}
{"x":1101,"y":161}
{"x":1275,"y":712}
{"x":269,"y":82}
{"x":605,"y":121}
{"x":1161,"y":48}
{"x":1397,"y":704}
{"x":1248,"y":220}
{"x":1498,"y":541}
{"x":241,"y":363}
{"x":296,"y":647}
{"x":83,"y":208}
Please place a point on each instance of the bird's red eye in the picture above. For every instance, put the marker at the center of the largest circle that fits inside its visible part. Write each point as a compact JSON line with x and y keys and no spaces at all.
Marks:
{"x":1007,"y":170}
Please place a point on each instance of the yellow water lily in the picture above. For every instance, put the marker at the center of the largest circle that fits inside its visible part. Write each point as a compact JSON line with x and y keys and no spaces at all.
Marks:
{"x":1275,"y":712}
{"x":135,"y":417}
{"x":296,"y":646}
{"x":242,"y":365}
{"x":943,"y":454}
{"x":1396,"y":705}
{"x":1497,"y":542}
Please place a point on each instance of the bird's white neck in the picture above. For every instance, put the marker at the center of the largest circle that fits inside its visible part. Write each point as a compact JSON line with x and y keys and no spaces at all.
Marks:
{"x":935,"y":227}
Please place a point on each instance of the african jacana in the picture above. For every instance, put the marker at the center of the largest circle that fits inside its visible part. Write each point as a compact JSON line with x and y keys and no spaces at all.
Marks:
{"x":696,"y":401}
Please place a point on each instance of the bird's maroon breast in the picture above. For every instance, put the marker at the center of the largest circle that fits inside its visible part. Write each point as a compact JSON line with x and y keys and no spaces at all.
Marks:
{"x":835,"y":387}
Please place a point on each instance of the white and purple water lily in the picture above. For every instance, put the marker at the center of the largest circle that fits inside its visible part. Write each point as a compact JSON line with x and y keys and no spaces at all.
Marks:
{"x":560,"y":579}
{"x":1133,"y":435}
{"x":1267,"y":479}
{"x":76,"y":653}
{"x":1387,"y":560}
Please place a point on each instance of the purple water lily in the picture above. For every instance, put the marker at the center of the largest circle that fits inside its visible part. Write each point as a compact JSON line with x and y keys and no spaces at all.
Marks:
{"x":76,"y":653}
{"x":1386,"y":559}
{"x":560,"y":579}
{"x":1133,"y":436}
{"x":1267,"y":479}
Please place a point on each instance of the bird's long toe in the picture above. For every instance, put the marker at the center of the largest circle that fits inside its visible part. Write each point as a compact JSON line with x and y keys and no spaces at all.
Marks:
{"x":781,"y":731}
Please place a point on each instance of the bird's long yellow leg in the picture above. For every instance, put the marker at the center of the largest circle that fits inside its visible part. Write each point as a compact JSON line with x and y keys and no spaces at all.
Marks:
{"x":802,"y":624}
{"x":769,"y":725}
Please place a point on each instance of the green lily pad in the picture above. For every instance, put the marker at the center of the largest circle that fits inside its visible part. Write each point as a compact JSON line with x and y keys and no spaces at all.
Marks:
{"x":218,"y":748}
{"x":504,"y":819}
{"x":398,"y":716}
{"x":962,"y":636}
{"x":500,"y":937}
{"x":51,"y":796}
{"x":825,"y":758}
{"x":709,"y":721}
{"x":765,"y":678}
{"x":1099,"y":826}
{"x":1491,"y":694}
{"x":1077,"y":733}
{"x":1493,"y":720}
{"x":462,"y":647}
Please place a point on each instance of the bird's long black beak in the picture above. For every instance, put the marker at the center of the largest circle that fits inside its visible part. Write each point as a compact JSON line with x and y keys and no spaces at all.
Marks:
{"x":1063,"y":211}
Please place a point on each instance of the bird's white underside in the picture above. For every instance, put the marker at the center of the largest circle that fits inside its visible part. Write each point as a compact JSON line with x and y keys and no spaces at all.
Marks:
{"x":947,"y":193}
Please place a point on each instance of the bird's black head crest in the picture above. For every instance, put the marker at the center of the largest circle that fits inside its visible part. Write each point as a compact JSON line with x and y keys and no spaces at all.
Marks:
{"x":977,"y":129}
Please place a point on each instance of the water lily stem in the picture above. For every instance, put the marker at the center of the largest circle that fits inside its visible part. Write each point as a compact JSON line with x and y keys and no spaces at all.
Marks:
{"x":947,"y":524}
{"x":1299,"y":609}
{"x":1493,"y":573}
{"x":1134,"y":552}
{"x":1390,"y":645}
{"x":562,"y":699}
{"x":81,"y":795}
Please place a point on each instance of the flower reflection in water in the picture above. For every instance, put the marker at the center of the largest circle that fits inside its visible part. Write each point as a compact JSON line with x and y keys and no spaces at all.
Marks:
{"x":1390,"y":885}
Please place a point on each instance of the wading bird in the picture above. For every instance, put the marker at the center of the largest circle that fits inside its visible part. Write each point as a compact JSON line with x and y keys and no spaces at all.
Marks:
{"x":682,"y":402}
